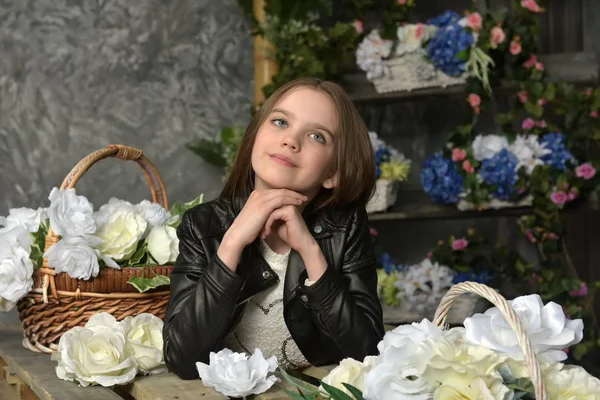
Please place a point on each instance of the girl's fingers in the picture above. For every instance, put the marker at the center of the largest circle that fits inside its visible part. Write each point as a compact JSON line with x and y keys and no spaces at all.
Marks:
{"x":275,"y":215}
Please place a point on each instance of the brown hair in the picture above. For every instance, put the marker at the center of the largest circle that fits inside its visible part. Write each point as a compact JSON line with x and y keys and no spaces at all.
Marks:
{"x":354,"y":161}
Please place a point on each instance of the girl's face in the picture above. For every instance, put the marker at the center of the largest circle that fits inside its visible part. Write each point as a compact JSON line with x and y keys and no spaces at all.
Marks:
{"x":295,"y":146}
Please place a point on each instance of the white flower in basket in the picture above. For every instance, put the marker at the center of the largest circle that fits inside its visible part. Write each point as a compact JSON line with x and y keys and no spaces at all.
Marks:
{"x":421,"y":361}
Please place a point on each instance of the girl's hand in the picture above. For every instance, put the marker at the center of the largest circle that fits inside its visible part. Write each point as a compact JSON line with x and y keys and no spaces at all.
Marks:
{"x":288,"y":224}
{"x":260,"y":205}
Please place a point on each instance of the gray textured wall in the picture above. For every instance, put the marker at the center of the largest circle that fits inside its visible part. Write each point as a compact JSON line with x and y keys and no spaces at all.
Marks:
{"x":78,"y":75}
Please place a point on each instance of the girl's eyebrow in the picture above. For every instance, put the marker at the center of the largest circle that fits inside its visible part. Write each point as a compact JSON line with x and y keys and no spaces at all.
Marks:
{"x":291,"y":115}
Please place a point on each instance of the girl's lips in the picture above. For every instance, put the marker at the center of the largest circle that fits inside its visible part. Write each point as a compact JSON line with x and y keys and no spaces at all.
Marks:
{"x":283,"y":160}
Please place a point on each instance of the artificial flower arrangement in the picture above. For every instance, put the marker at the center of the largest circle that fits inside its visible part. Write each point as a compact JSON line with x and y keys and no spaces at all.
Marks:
{"x":391,"y":167}
{"x":493,"y":172}
{"x":440,"y":53}
{"x":108,"y":352}
{"x":483,"y":360}
{"x":119,"y":234}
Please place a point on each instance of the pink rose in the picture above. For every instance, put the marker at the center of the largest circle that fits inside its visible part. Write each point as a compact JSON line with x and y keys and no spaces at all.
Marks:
{"x":541,"y":124}
{"x":358,"y":25}
{"x":468,"y":167}
{"x":429,"y":255}
{"x":585,"y":171}
{"x":594,"y":114}
{"x":531,"y":62}
{"x":523,"y":96}
{"x":460,"y":244}
{"x":528,"y":123}
{"x":539,"y":65}
{"x":402,"y":2}
{"x":581,"y":292}
{"x":553,"y":236}
{"x":420,"y":30}
{"x":474,"y":21}
{"x":373,"y":231}
{"x":588,"y":92}
{"x":497,"y":36}
{"x":531,"y":5}
{"x":542,"y":102}
{"x":515,"y":46}
{"x":474,"y":100}
{"x":458,"y":154}
{"x":530,"y":236}
{"x":559,"y":198}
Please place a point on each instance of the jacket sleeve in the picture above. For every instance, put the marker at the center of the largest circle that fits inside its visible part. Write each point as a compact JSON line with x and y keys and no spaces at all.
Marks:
{"x":344,"y":303}
{"x":203,"y":299}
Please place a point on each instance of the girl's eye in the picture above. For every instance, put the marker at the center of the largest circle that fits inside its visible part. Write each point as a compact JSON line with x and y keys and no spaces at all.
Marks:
{"x":318,"y":137}
{"x":282,"y":123}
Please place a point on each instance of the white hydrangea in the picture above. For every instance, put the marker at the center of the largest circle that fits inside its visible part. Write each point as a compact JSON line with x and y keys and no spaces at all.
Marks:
{"x":370,"y":54}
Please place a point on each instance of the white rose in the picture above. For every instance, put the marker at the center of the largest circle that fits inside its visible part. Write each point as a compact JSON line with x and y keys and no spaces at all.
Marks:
{"x":153,"y":213}
{"x":547,"y":327}
{"x":163,"y":244}
{"x":236,"y":375}
{"x":145,"y":342}
{"x":104,"y":319}
{"x":488,"y":146}
{"x":74,"y":256}
{"x":103,"y":215}
{"x":412,"y":36}
{"x":70,"y":214}
{"x":120,"y":234}
{"x":6,"y":305}
{"x":390,"y":381}
{"x":93,"y":356}
{"x":349,"y":371}
{"x":399,"y":344}
{"x":470,"y":386}
{"x":16,"y":273}
{"x":14,"y":236}
{"x":571,"y":383}
{"x":29,"y":218}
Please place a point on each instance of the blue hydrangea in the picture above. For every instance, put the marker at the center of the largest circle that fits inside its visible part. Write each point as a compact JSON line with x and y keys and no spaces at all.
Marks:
{"x":441,"y":180}
{"x":446,"y":18}
{"x":389,"y":265}
{"x":382,"y":155}
{"x":444,"y":47}
{"x":500,"y":171}
{"x":484,"y":277}
{"x":560,"y":155}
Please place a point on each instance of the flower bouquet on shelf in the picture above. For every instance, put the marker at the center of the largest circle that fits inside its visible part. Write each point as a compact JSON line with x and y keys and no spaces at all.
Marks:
{"x":443,"y":52}
{"x":493,"y":172}
{"x":392,"y":168}
{"x":514,"y":350}
{"x":62,"y":264}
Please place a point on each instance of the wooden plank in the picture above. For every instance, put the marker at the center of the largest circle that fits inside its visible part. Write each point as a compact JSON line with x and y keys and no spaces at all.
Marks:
{"x":578,"y":68}
{"x":37,"y":371}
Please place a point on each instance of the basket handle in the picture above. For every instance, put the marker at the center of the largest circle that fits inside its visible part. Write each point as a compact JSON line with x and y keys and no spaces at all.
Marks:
{"x":511,"y":317}
{"x":122,"y":152}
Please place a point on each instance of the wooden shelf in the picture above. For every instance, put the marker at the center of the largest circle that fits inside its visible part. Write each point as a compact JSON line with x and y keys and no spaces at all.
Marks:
{"x":417,"y":205}
{"x":578,"y":68}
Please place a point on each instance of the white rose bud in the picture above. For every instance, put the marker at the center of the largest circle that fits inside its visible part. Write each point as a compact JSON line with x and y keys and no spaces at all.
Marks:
{"x":121,"y":234}
{"x":94,"y":356}
{"x":16,"y":271}
{"x":163,"y":244}
{"x":145,"y":342}
{"x":70,"y":214}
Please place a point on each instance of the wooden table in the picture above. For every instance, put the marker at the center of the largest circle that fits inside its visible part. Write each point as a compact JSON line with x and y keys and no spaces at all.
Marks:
{"x":26,"y":375}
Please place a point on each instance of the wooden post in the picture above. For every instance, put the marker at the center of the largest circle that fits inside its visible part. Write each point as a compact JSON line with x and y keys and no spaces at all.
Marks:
{"x":264,"y":65}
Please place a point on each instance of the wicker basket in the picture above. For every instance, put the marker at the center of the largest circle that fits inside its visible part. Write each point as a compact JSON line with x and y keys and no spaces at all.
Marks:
{"x":511,"y":317}
{"x":386,"y":192}
{"x":58,"y":303}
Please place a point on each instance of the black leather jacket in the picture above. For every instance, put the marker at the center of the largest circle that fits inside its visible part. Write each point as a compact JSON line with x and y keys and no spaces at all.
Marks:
{"x":337,"y":317}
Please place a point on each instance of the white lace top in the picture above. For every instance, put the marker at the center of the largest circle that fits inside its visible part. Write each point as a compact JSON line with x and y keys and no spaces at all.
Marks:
{"x":262,"y":325}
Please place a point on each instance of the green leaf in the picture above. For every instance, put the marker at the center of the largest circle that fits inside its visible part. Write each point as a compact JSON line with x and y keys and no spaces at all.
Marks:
{"x":550,"y":93}
{"x":38,"y":244}
{"x":336,"y":393}
{"x":534,"y":109}
{"x":354,"y":391}
{"x":210,"y":150}
{"x":295,"y":396}
{"x":462,"y":55}
{"x":145,"y":284}
{"x":293,"y":382}
{"x":178,"y":209}
{"x":137,"y":257}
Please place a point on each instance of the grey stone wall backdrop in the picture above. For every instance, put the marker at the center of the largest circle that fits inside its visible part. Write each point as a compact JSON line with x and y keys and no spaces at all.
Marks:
{"x":76,"y":76}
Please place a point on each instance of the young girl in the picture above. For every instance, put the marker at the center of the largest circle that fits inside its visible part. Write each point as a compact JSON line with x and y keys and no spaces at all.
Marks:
{"x":282,"y":261}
